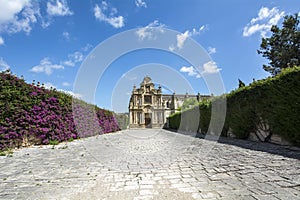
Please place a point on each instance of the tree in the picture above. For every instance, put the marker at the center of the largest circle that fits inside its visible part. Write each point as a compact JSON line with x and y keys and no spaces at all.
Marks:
{"x":189,"y":103}
{"x":241,"y":84}
{"x":283,"y":47}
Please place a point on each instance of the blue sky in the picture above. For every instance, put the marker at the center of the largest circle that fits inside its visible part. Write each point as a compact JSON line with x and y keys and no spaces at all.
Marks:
{"x":49,"y":41}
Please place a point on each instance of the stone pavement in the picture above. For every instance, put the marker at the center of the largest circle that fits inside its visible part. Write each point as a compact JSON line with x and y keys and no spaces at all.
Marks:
{"x":151,"y":164}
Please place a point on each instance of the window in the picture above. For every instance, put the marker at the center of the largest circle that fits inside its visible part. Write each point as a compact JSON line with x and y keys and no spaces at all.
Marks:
{"x":147,"y":99}
{"x":148,"y":89}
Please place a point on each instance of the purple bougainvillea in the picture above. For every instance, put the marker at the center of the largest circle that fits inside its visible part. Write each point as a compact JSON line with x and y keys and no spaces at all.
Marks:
{"x":34,"y":115}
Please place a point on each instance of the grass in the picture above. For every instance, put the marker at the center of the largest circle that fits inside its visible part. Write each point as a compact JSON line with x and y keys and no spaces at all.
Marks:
{"x":53,"y":142}
{"x":7,"y":152}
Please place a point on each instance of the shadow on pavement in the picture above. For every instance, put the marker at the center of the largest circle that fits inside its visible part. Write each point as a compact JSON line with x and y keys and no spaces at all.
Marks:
{"x":286,"y":151}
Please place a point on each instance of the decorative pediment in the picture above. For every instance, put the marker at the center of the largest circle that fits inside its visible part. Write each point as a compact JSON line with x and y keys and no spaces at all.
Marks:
{"x":147,"y":109}
{"x":148,"y":106}
{"x":147,"y":79}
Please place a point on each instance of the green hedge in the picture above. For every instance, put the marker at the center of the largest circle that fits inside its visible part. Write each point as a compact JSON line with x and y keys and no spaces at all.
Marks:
{"x":275,"y":101}
{"x":191,"y":119}
{"x":123,"y":120}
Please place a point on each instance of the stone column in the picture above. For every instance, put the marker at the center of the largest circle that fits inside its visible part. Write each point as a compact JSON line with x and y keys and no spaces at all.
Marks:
{"x":130,"y":117}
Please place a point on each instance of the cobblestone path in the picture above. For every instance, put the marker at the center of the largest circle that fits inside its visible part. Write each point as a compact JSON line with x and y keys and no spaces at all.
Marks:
{"x":151,"y":164}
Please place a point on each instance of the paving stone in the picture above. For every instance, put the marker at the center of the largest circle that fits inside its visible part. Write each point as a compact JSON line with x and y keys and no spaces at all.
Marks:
{"x":287,"y":196}
{"x":131,"y":187}
{"x":174,"y":181}
{"x":248,"y":197}
{"x":209,"y":194}
{"x":186,"y":175}
{"x":146,"y":186}
{"x":188,"y":189}
{"x":189,"y":180}
{"x":264,"y":197}
{"x":147,"y":192}
{"x":168,"y":165}
{"x":181,"y":185}
{"x":146,"y":182}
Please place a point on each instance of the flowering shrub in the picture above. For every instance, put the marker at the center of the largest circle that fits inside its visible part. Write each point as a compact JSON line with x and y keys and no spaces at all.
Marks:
{"x":31,"y":114}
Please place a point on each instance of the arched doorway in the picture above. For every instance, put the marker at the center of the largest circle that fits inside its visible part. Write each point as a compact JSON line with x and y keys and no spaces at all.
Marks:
{"x":148,"y":120}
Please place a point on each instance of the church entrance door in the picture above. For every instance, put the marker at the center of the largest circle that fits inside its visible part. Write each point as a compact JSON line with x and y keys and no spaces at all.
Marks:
{"x":148,"y":120}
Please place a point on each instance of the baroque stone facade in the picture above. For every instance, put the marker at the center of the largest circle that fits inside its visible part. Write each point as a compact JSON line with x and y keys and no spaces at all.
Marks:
{"x":149,"y":107}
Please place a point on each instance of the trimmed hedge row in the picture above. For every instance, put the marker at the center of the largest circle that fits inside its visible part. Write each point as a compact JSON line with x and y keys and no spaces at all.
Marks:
{"x":123,"y":120}
{"x":273,"y":102}
{"x":31,"y":114}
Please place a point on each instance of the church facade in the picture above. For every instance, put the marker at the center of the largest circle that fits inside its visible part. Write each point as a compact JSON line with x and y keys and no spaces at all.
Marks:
{"x":150,"y":108}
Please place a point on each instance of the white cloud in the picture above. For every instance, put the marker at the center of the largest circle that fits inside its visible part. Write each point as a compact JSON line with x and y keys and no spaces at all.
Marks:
{"x":212,"y":50}
{"x":191,"y":71}
{"x":66,"y":84}
{"x":1,"y":41}
{"x":129,"y":77}
{"x":3,"y":65}
{"x":18,"y":15}
{"x":58,"y":8}
{"x":115,"y":21}
{"x":46,"y":66}
{"x":48,"y":85}
{"x":46,"y":23}
{"x":181,"y":38}
{"x":149,"y":31}
{"x":104,"y":5}
{"x":74,"y":58}
{"x":22,"y":15}
{"x":172,"y":48}
{"x":87,"y":47}
{"x":66,"y":35}
{"x":199,"y":31}
{"x":9,"y":9}
{"x":210,"y":68}
{"x":76,"y":95}
{"x":77,"y":56}
{"x":140,"y":3}
{"x":69,"y":63}
{"x":263,"y":22}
